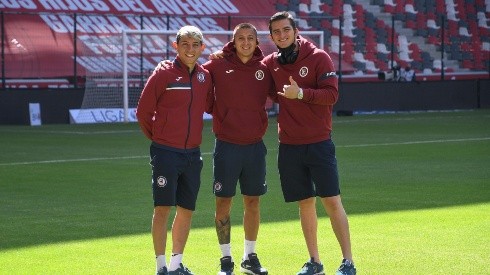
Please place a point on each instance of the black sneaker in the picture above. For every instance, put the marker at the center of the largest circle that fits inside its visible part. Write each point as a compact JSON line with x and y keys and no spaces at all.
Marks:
{"x":227,"y":266}
{"x":312,"y":268}
{"x":252,"y":266}
{"x":182,"y":270}
{"x":162,"y":271}
{"x":346,"y":268}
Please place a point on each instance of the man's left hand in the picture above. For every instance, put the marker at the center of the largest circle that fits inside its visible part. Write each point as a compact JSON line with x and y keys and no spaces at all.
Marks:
{"x":290,"y":91}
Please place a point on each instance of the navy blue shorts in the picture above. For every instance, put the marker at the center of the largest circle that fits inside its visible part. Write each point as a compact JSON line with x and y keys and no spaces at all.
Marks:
{"x":243,"y":163}
{"x":308,"y":170}
{"x":176,"y":177}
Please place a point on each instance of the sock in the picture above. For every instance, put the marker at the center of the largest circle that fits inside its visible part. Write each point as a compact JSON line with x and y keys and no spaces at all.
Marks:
{"x":225,"y":249}
{"x":161,"y":262}
{"x":175,"y":261}
{"x":248,"y":249}
{"x":348,"y":262}
{"x":312,"y":260}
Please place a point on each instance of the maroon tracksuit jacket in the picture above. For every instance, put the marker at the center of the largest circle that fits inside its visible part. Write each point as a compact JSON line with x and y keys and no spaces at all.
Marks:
{"x":171,"y":107}
{"x":241,"y":90}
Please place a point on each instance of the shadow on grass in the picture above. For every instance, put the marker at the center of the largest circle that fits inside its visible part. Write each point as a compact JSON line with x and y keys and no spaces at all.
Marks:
{"x":71,"y":202}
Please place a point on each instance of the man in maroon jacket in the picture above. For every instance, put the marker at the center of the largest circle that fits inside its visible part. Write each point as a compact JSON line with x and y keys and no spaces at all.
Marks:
{"x":170,"y":113}
{"x":241,"y":86}
{"x":306,"y":160}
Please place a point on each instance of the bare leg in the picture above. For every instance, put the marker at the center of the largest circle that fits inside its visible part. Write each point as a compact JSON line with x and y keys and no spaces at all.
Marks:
{"x":180,"y":229}
{"x":309,"y":224}
{"x":340,"y":225}
{"x":251,"y":217}
{"x":159,"y":228}
{"x":222,"y":219}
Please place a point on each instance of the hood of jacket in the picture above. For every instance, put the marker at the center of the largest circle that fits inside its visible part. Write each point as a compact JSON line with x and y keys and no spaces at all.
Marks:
{"x":305,"y":48}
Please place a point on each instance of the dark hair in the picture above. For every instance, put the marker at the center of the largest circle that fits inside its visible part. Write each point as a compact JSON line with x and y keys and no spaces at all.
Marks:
{"x":280,"y":16}
{"x":245,"y":26}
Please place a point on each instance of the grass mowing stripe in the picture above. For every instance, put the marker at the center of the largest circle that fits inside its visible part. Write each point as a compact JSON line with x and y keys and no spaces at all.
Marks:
{"x":209,"y":153}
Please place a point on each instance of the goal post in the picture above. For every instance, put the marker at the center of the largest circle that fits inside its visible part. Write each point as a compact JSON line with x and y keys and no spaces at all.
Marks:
{"x":121,"y":63}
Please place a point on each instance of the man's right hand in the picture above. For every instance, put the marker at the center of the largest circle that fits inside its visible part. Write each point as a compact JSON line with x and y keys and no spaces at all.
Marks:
{"x":162,"y":64}
{"x":216,"y":55}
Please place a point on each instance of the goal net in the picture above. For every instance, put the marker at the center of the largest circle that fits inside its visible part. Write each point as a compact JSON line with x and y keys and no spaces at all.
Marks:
{"x":118,"y":66}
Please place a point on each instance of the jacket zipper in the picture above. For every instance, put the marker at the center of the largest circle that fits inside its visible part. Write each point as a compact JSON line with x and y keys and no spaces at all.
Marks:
{"x":189,"y":110}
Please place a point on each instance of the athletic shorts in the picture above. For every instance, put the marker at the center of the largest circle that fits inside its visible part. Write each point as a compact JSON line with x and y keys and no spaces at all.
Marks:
{"x":243,"y":163}
{"x":176,"y":177}
{"x":308,"y":170}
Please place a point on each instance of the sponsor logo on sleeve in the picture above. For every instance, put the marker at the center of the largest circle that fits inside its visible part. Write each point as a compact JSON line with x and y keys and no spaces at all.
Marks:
{"x":327,"y":75}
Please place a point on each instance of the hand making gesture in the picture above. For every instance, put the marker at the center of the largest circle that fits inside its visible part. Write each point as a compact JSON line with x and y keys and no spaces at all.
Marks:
{"x":291,"y":91}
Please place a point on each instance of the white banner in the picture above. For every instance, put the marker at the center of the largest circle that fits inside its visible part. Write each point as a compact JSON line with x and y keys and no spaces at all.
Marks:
{"x":101,"y":115}
{"x":35,"y":114}
{"x":105,"y":115}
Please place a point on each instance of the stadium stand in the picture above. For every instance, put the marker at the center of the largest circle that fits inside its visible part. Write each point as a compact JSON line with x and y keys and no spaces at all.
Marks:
{"x":364,"y":36}
{"x":418,"y":27}
{"x":55,"y":52}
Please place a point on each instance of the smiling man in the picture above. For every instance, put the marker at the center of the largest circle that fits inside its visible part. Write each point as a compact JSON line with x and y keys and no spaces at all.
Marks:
{"x":306,"y":158}
{"x":242,"y":84}
{"x":170,"y":114}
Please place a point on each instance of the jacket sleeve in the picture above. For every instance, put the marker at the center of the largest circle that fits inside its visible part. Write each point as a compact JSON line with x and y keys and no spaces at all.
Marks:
{"x":272,"y":94}
{"x":210,"y":100}
{"x":326,"y":92}
{"x":147,"y":104}
{"x":209,"y":65}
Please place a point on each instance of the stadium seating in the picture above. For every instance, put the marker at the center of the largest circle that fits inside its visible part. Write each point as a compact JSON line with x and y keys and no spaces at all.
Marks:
{"x":366,"y":32}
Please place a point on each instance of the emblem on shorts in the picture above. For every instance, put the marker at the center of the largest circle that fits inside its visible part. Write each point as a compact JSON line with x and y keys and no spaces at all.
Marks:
{"x":200,"y":77}
{"x":161,"y":181}
{"x":303,"y":71}
{"x":259,"y":75}
{"x":217,"y":186}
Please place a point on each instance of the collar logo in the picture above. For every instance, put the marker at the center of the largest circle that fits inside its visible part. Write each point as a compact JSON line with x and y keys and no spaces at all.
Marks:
{"x":303,"y":71}
{"x":259,"y":75}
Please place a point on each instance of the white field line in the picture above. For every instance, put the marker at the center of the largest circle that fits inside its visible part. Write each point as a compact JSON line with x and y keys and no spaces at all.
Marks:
{"x":209,"y":153}
{"x":367,"y":118}
{"x":35,"y":131}
{"x":415,"y":142}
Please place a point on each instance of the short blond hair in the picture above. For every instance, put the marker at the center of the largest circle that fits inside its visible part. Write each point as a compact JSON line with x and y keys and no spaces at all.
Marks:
{"x":190,"y":31}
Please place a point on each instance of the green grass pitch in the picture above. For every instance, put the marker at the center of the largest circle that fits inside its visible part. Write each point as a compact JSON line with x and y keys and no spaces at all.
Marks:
{"x":76,"y":199}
